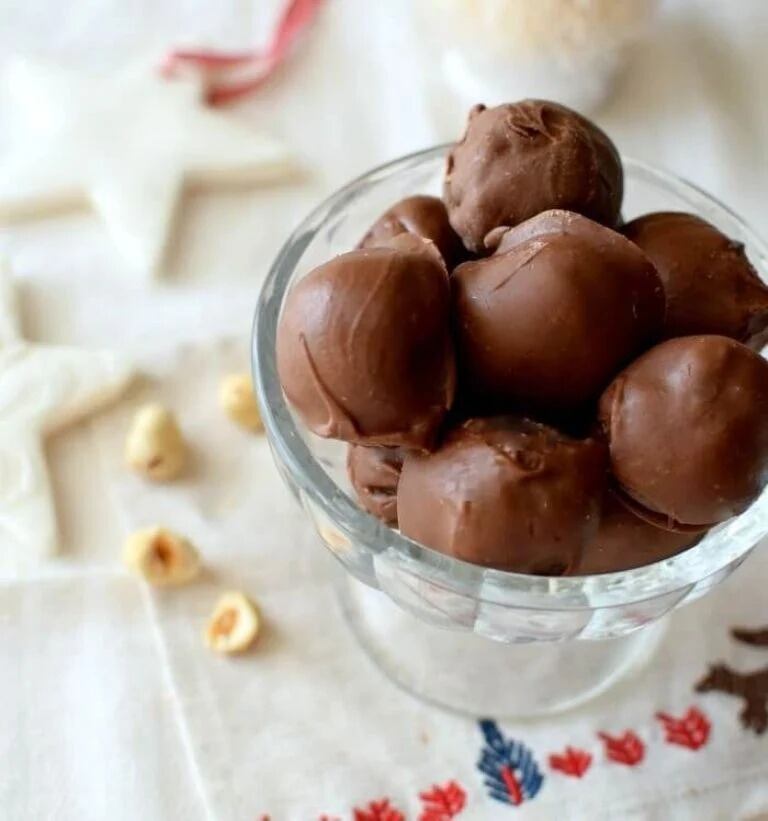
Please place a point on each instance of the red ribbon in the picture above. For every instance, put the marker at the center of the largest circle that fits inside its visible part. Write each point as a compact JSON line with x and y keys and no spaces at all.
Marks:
{"x":257,"y":66}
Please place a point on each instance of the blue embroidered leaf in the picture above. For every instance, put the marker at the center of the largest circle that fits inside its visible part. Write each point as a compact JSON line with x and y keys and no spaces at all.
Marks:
{"x":511,"y":772}
{"x":494,"y":739}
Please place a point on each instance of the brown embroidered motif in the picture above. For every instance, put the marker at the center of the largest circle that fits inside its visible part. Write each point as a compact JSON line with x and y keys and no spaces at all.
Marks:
{"x":751,"y":687}
{"x":758,"y":638}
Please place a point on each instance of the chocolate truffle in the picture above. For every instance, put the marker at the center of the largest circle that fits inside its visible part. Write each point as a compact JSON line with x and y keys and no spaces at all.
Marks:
{"x":687,"y":426}
{"x":710,"y":285}
{"x":374,"y":473}
{"x":364,"y":350}
{"x":505,"y":492}
{"x":625,"y":541}
{"x":519,"y":159}
{"x":422,"y":216}
{"x":546,"y":322}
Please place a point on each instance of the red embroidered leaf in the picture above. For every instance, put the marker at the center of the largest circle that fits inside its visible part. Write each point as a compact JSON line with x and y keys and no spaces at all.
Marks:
{"x":624,"y":749}
{"x":379,"y":811}
{"x":572,"y":762}
{"x":691,"y":731}
{"x":442,"y":803}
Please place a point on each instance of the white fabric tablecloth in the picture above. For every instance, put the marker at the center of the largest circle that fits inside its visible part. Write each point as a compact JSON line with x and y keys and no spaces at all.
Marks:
{"x":111,"y":706}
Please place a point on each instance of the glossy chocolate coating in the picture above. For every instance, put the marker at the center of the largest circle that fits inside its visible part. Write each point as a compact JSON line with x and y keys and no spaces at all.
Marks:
{"x":374,"y":473}
{"x":505,"y":492}
{"x":548,"y":320}
{"x":625,"y":541}
{"x":710,"y":285}
{"x":519,"y":159}
{"x":424,"y":217}
{"x":364,"y":350}
{"x":687,"y":425}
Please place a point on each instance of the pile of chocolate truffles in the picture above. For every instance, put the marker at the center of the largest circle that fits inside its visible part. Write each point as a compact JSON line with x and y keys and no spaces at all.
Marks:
{"x":526,"y":382}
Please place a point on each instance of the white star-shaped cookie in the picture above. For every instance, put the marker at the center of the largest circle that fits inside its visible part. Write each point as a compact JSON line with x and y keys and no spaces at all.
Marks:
{"x":42,"y":389}
{"x":125,"y":143}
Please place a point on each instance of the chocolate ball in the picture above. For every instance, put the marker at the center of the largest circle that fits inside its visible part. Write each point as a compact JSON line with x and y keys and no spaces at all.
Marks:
{"x":422,"y":216}
{"x":374,"y":473}
{"x":364,"y":349}
{"x":625,"y":541}
{"x":547,"y":321}
{"x":687,"y":426}
{"x":710,"y":285}
{"x":505,"y":492}
{"x":519,"y":159}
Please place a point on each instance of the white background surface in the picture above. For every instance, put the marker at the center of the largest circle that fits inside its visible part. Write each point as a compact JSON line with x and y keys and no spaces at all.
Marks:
{"x":98,"y":716}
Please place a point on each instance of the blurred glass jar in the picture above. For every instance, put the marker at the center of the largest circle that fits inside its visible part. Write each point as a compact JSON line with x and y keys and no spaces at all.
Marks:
{"x":570,"y":51}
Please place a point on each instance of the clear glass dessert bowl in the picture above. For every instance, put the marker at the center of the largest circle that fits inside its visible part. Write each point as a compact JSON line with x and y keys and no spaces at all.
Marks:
{"x":472,"y":639}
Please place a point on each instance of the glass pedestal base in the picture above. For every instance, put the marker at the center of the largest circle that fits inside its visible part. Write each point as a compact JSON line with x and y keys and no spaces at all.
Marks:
{"x":474,"y":675}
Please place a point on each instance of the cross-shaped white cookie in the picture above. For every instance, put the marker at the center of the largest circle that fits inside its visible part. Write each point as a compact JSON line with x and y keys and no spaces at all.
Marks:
{"x":125,"y":143}
{"x":42,"y":389}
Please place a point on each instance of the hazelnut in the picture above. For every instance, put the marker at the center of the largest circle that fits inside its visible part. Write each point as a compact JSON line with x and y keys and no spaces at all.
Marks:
{"x":154,"y":446}
{"x":334,"y":538}
{"x":234,"y":624}
{"x":238,"y":400}
{"x":161,"y":557}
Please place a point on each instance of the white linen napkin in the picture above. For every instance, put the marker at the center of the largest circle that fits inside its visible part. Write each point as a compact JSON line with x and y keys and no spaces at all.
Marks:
{"x":88,"y":725}
{"x":304,"y":726}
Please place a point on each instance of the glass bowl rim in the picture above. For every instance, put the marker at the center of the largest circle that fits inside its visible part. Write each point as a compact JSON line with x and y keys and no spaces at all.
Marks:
{"x":636,"y":585}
